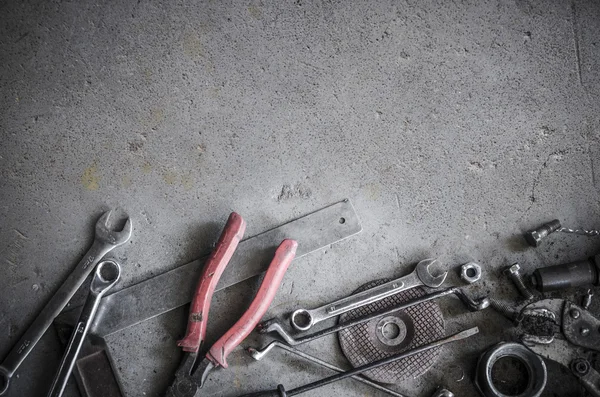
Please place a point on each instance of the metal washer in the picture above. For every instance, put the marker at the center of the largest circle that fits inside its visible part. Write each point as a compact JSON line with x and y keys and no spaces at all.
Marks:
{"x":415,"y":326}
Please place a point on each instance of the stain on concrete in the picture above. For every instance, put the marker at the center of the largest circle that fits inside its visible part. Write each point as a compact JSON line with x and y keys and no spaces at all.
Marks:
{"x":255,"y":11}
{"x":170,"y":177}
{"x":192,"y":46}
{"x":187,"y":181}
{"x":90,"y":178}
{"x":126,"y":181}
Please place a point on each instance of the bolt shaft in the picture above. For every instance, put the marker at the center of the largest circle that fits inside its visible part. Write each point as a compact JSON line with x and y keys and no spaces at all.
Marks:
{"x":504,"y":309}
{"x":519,"y":282}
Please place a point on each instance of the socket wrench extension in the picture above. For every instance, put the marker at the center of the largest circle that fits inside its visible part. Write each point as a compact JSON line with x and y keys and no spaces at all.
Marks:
{"x":303,"y":319}
{"x":105,"y":277}
{"x":105,"y":241}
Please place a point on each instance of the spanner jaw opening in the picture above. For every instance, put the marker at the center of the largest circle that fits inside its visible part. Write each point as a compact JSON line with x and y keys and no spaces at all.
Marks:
{"x":424,"y":273}
{"x":115,"y":238}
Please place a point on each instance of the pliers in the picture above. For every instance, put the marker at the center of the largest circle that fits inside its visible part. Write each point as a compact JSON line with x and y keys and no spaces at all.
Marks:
{"x":190,"y":376}
{"x":564,"y":332}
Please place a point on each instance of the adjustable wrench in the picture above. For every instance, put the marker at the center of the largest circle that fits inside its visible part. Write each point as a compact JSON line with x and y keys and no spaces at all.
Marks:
{"x":303,"y":319}
{"x":105,"y":241}
{"x":105,"y":277}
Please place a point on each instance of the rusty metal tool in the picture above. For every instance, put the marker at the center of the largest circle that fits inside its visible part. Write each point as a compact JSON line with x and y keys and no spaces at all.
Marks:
{"x":281,"y":392}
{"x":105,"y":241}
{"x":562,"y":331}
{"x":190,"y":376}
{"x":105,"y":277}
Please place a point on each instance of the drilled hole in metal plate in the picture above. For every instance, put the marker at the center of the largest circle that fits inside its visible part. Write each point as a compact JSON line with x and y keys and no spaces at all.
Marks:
{"x":510,"y":376}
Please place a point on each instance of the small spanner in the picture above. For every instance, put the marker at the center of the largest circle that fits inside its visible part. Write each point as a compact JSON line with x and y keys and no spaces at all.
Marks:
{"x":105,"y":277}
{"x":105,"y":241}
{"x":303,"y":319}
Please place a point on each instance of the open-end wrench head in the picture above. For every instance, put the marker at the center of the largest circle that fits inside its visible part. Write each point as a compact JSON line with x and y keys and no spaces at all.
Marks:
{"x":113,"y":237}
{"x":106,"y":275}
{"x":423,"y":270}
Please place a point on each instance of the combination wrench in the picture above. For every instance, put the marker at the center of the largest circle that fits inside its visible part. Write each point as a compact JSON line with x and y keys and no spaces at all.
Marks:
{"x":105,"y":277}
{"x":275,"y":325}
{"x":303,"y":319}
{"x":105,"y":240}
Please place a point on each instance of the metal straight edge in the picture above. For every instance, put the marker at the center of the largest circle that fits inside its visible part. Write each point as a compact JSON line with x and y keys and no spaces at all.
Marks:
{"x":170,"y":290}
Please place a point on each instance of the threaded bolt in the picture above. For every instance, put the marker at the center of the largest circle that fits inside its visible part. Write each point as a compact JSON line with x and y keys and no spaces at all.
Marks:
{"x":514,"y":273}
{"x":534,"y":237}
{"x":503,"y":309}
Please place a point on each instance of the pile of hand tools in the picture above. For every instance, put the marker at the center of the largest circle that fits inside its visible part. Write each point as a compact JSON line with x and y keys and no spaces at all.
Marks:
{"x":389,"y":330}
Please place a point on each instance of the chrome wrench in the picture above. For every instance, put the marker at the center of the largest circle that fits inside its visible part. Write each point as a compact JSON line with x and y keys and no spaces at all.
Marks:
{"x":276,"y":325}
{"x":303,"y":319}
{"x":105,"y":277}
{"x":105,"y":241}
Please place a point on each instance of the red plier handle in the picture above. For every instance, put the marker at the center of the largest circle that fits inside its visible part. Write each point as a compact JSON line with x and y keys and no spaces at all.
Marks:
{"x":189,"y":377}
{"x":214,"y":267}
{"x":268,"y":288}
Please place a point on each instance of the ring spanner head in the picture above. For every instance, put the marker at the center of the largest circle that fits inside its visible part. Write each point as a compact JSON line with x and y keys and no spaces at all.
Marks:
{"x":423,"y":270}
{"x":106,"y":275}
{"x":105,"y":234}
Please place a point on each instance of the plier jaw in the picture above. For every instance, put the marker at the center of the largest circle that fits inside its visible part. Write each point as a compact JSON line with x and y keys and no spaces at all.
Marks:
{"x":189,"y":377}
{"x":564,"y":332}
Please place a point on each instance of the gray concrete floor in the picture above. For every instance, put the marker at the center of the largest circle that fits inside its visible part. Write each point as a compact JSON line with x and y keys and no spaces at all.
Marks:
{"x":452,"y":126}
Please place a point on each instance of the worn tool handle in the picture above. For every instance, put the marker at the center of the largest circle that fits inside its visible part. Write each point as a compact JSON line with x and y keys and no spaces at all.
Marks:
{"x":241,"y":329}
{"x":213,"y":268}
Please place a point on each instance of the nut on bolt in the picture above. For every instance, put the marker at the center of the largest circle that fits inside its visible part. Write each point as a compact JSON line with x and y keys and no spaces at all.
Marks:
{"x":470,"y":272}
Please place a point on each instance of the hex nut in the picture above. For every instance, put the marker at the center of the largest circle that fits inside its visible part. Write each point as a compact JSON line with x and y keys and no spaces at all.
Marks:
{"x":470,"y":272}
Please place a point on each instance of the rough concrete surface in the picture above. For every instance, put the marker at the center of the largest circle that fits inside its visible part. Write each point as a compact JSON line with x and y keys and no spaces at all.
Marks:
{"x":452,"y":127}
